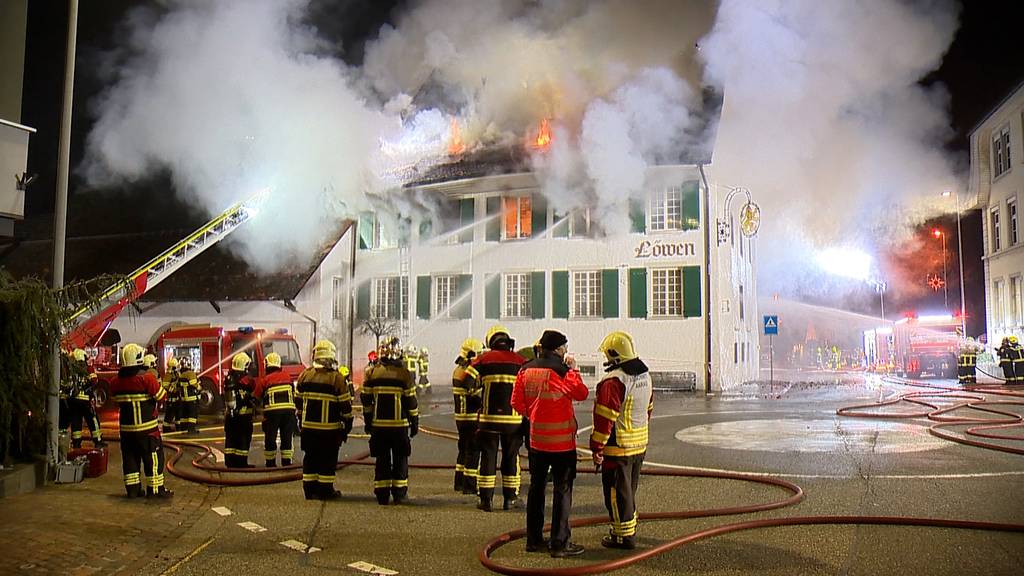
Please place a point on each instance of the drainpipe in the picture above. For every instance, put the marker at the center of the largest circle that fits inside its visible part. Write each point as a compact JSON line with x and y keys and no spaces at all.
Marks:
{"x":354,"y":231}
{"x":291,"y":306}
{"x":707,"y":280}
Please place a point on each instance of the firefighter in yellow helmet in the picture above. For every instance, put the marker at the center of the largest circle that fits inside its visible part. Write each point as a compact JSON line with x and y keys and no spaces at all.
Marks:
{"x":82,"y":379}
{"x":493,"y":374}
{"x":170,"y":386}
{"x":423,"y":386}
{"x":326,"y":416}
{"x":276,"y":392}
{"x":239,"y":406}
{"x":188,"y":397}
{"x":149,"y":361}
{"x":137,"y":393}
{"x":1017,"y":355}
{"x":467,"y":404}
{"x":392,"y":417}
{"x":622,"y":412}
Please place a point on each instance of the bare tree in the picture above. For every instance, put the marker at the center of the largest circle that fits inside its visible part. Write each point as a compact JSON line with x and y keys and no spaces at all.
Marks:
{"x":378,"y":325}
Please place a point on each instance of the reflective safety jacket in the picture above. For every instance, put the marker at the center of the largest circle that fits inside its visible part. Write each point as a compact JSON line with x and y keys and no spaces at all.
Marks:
{"x":137,"y":393}
{"x":412,"y":362}
{"x":544,"y":392}
{"x":493,"y":374}
{"x":424,"y":362}
{"x":467,"y":403}
{"x":170,"y":385}
{"x":967,"y":359}
{"x":84,"y":379}
{"x":276,"y":392}
{"x":389,"y":396}
{"x":323,"y":398}
{"x":188,"y":386}
{"x":622,"y":410}
{"x":238,"y":393}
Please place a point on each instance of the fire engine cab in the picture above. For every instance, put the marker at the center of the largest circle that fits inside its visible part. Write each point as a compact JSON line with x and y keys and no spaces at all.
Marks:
{"x":915,"y":346}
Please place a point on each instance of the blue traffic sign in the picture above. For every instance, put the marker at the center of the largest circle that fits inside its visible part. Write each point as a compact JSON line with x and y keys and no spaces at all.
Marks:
{"x":771,"y":325}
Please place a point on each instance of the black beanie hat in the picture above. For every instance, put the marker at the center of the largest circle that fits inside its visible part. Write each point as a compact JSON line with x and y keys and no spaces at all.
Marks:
{"x":551,"y":339}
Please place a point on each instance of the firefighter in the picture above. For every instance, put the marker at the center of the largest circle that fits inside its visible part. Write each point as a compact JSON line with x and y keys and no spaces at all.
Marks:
{"x":277,"y":395}
{"x":967,"y":362}
{"x":467,"y":405}
{"x":424,"y":366}
{"x":65,"y":390}
{"x":391,"y":415}
{"x":188,"y":394}
{"x":412,"y":360}
{"x":137,"y":393}
{"x":1017,"y":355}
{"x":492,"y":374}
{"x":544,"y":392}
{"x":622,"y":412}
{"x":171,"y":400}
{"x":238,"y":409}
{"x":80,"y":400}
{"x":1005,"y":362}
{"x":326,"y":416}
{"x":149,"y":361}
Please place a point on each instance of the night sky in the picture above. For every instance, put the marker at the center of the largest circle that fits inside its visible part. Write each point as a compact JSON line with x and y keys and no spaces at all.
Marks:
{"x":982,"y":66}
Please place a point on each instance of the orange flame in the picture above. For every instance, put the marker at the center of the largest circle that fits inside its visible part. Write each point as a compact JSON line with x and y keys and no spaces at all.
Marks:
{"x":455,"y":144}
{"x":543,"y":139}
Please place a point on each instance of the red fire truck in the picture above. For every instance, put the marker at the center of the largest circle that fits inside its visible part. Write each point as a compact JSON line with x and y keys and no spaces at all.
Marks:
{"x":915,"y":346}
{"x":211,"y":348}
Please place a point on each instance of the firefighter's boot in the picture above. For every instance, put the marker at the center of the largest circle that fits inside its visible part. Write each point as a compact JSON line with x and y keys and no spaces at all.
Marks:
{"x":286,"y":461}
{"x":133,"y":491}
{"x":485,"y":504}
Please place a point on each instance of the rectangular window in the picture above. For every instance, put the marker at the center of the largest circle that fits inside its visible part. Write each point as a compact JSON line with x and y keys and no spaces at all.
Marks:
{"x":517,"y":214}
{"x":445,"y":288}
{"x":340,"y":294}
{"x":517,"y":295}
{"x":1001,"y":152}
{"x":390,"y":296}
{"x":579,"y":223}
{"x":995,"y":230}
{"x":1011,"y":207}
{"x":666,"y":210}
{"x":1015,"y":302}
{"x":741,"y":295}
{"x":666,"y":292}
{"x":586,"y":294}
{"x":998,"y":313}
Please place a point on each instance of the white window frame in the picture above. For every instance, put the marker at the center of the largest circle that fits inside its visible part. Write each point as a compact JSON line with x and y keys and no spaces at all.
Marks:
{"x":1011,"y":210}
{"x":586,"y":294}
{"x":1015,"y":300}
{"x":995,"y":229}
{"x":381,"y":294}
{"x":516,"y":290}
{"x":666,"y":210}
{"x":998,"y":310}
{"x":587,"y":223}
{"x":519,"y":235}
{"x":1001,"y":152}
{"x":666,"y":293}
{"x":340,"y":297}
{"x":446,"y":288}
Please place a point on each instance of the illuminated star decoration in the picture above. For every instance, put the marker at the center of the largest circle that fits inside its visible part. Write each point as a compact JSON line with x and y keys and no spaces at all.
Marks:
{"x":935,"y":282}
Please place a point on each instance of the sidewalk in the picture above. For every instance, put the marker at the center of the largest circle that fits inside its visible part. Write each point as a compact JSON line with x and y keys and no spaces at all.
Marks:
{"x":91,"y":528}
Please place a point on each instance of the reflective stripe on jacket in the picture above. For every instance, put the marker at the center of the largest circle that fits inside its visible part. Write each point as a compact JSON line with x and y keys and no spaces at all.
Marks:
{"x":188,"y":386}
{"x":493,"y":374}
{"x":324,"y":398}
{"x":622,"y":411}
{"x":137,"y":393}
{"x":389,"y":396}
{"x":467,"y":403}
{"x":544,"y":392}
{"x":277,"y":393}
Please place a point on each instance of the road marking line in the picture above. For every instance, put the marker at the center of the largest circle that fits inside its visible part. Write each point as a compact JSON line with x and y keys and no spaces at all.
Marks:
{"x":372,"y":569}
{"x":841,"y":477}
{"x":190,"y":555}
{"x":300,"y":546}
{"x":223,"y":511}
{"x":252,"y":527}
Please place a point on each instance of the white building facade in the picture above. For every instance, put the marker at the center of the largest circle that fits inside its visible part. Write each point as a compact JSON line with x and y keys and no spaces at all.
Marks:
{"x":503,"y":256}
{"x":997,"y":181}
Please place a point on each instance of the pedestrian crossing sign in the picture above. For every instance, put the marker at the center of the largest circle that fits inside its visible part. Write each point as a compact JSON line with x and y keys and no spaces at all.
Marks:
{"x":771,"y":325}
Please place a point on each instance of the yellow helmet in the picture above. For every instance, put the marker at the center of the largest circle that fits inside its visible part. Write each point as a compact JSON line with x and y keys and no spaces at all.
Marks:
{"x":324,"y":350}
{"x":273,"y":360}
{"x":1013,"y":339}
{"x":149,"y":361}
{"x":78,"y":354}
{"x":344,"y":371}
{"x":617,"y":347}
{"x":495,"y":331}
{"x":131,"y":355}
{"x":172,"y":363}
{"x":471,"y":347}
{"x":240,"y":362}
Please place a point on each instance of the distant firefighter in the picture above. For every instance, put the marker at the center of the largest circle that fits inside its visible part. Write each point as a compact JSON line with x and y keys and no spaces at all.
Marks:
{"x":80,"y":396}
{"x":467,"y":404}
{"x":188,"y":391}
{"x":967,"y":362}
{"x":276,"y":393}
{"x":326,"y":417}
{"x":137,"y":393}
{"x":392,"y":417}
{"x":239,"y":406}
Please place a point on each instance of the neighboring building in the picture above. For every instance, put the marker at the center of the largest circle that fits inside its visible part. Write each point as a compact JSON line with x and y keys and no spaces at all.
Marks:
{"x":997,"y":181}
{"x":499,"y":254}
{"x":13,"y":136}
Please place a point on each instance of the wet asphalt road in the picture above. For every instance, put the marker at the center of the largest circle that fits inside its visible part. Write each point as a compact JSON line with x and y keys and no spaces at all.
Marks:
{"x":846,"y":466}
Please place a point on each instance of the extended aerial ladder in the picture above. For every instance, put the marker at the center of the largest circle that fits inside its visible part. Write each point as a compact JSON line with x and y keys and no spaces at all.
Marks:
{"x":89,"y":328}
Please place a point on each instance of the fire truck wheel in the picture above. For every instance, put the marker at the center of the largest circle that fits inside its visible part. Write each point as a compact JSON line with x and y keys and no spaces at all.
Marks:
{"x":210,"y":401}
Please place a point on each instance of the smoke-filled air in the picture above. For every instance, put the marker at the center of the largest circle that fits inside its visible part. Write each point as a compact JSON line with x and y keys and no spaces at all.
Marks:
{"x":823,"y":118}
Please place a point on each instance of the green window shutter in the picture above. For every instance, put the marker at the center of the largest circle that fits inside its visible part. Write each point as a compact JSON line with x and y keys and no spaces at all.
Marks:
{"x":363,"y":300}
{"x":691,"y":291}
{"x":560,"y":294}
{"x":560,"y":227}
{"x":638,"y":292}
{"x":423,"y":297}
{"x":492,"y":296}
{"x":537,"y":295}
{"x":539,"y":214}
{"x":493,"y":224}
{"x":691,"y":205}
{"x":466,"y":216}
{"x":610,"y":293}
{"x":465,"y":288}
{"x":365,"y":231}
{"x":638,"y":215}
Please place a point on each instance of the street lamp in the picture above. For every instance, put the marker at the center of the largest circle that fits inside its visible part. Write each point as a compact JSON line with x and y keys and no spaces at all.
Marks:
{"x":945,"y":280}
{"x":960,"y":253}
{"x":880,"y":287}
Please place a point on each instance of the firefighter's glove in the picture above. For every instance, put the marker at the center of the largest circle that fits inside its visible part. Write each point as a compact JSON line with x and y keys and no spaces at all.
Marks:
{"x":414,"y":427}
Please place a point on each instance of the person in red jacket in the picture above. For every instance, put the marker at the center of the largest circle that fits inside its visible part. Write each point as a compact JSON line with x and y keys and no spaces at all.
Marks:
{"x":622,"y":413}
{"x":544,"y":392}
